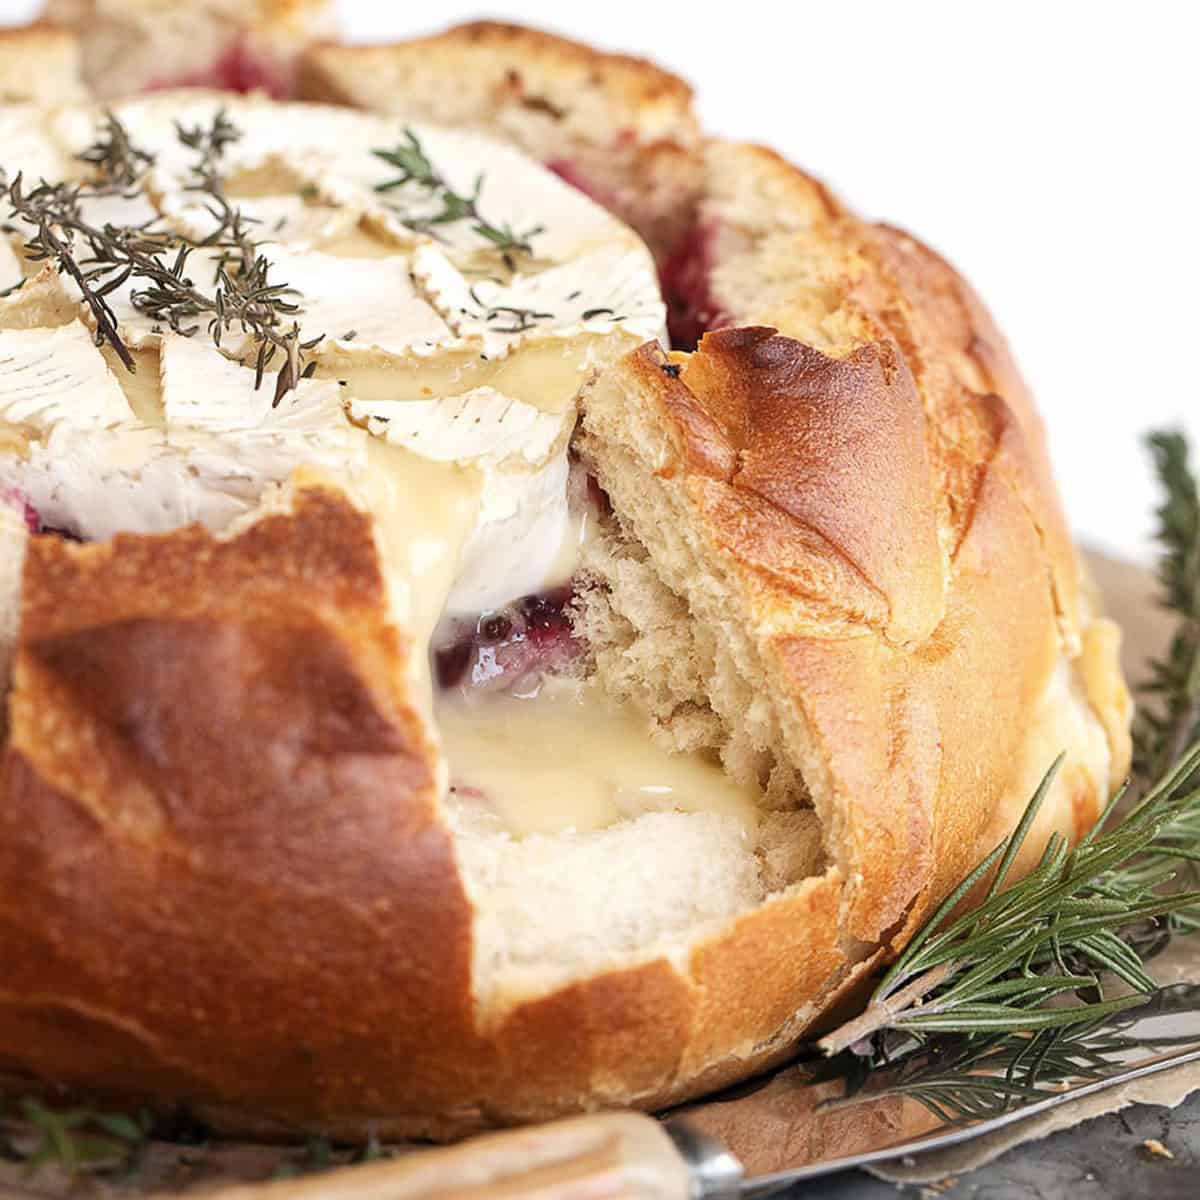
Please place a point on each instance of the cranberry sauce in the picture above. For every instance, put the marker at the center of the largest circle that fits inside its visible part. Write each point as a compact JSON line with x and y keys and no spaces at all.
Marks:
{"x":237,"y":70}
{"x":568,"y":172}
{"x":509,"y":649}
{"x":686,"y":279}
{"x":685,"y":275}
{"x":17,"y":500}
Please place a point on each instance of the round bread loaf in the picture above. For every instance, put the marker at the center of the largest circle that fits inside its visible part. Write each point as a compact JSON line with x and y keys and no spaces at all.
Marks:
{"x":831,"y":557}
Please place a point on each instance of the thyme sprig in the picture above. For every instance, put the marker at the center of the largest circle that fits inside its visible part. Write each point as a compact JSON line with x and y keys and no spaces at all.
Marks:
{"x":416,"y":168}
{"x":119,"y":164}
{"x":101,"y":259}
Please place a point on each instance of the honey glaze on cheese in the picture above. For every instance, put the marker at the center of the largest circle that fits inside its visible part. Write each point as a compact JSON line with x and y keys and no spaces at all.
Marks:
{"x":568,"y":759}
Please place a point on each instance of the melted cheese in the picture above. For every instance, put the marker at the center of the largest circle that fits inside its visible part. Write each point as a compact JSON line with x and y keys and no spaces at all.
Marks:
{"x":143,"y":392}
{"x":567,"y":759}
{"x":445,"y":412}
{"x":421,"y":542}
{"x":546,"y":375}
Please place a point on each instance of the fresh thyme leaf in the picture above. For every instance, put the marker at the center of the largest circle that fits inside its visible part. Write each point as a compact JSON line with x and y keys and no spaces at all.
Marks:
{"x":12,"y":290}
{"x":118,"y":162}
{"x":511,"y":318}
{"x":416,"y":168}
{"x":210,"y":142}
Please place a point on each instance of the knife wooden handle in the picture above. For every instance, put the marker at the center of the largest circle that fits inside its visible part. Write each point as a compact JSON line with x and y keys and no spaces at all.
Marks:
{"x":609,"y":1156}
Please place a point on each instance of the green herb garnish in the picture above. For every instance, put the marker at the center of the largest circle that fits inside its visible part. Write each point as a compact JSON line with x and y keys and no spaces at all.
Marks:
{"x":416,"y":169}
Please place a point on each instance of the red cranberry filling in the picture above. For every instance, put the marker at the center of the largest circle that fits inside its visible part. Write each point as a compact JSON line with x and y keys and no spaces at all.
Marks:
{"x":17,"y":500}
{"x":568,"y":172}
{"x":685,"y":275}
{"x":511,"y":648}
{"x":237,"y":70}
{"x":686,"y":278}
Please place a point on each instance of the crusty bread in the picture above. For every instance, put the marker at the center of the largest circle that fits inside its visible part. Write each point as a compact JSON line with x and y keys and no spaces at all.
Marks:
{"x":620,"y":128}
{"x":835,"y":558}
{"x":40,"y":64}
{"x":131,"y":45}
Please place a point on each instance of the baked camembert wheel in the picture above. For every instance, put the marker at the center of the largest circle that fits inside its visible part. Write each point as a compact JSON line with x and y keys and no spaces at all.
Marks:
{"x":435,"y":701}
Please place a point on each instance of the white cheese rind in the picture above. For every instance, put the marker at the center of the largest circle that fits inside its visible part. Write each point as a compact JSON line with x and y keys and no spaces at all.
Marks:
{"x":523,"y":514}
{"x":27,"y":149}
{"x":235,"y":432}
{"x":481,"y":425}
{"x":359,"y":304}
{"x":96,"y":483}
{"x":10,"y":266}
{"x":51,"y":376}
{"x":440,"y":293}
{"x":611,"y":289}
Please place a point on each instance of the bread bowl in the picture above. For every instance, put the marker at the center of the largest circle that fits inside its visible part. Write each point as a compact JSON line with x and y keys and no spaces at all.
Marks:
{"x":280,"y":839}
{"x":240,"y":45}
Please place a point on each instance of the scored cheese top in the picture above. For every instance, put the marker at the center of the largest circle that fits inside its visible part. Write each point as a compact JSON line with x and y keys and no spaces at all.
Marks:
{"x":442,"y":393}
{"x":444,"y":363}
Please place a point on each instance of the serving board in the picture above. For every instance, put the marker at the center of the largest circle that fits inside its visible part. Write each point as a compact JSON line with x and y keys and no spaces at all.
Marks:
{"x":1051,"y":1168}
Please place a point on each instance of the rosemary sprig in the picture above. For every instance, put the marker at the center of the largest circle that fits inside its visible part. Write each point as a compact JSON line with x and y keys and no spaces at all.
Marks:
{"x":991,"y":969}
{"x":970,"y":994}
{"x":1172,"y":717}
{"x":977,"y":1077}
{"x":416,"y":168}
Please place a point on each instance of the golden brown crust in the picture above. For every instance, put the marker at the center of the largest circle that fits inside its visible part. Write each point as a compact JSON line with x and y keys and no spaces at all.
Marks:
{"x":223,"y":812}
{"x":823,"y":445}
{"x":637,"y":85}
{"x":40,"y":64}
{"x":221,"y":805}
{"x":129,"y":46}
{"x":913,"y":755}
{"x":619,"y":127}
{"x":900,"y":441}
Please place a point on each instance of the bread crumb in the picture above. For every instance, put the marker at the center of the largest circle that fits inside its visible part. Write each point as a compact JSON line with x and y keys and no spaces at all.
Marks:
{"x":1155,"y":1148}
{"x":932,"y":1191}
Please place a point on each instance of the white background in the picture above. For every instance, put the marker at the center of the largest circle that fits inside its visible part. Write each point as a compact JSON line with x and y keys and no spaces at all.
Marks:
{"x":1049,"y":149}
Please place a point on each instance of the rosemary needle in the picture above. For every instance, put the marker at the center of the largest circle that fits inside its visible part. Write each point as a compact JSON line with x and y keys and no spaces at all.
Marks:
{"x":970,"y":992}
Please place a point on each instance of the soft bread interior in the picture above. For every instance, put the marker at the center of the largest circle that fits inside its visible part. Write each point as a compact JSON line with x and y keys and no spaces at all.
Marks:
{"x":663,"y":641}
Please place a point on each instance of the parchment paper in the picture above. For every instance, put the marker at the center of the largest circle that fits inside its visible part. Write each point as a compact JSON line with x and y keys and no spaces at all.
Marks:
{"x":760,"y":1128}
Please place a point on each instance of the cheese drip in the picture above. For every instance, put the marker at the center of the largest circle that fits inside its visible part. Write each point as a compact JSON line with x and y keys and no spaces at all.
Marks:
{"x":547,"y":375}
{"x":569,"y":759}
{"x":424,"y":513}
